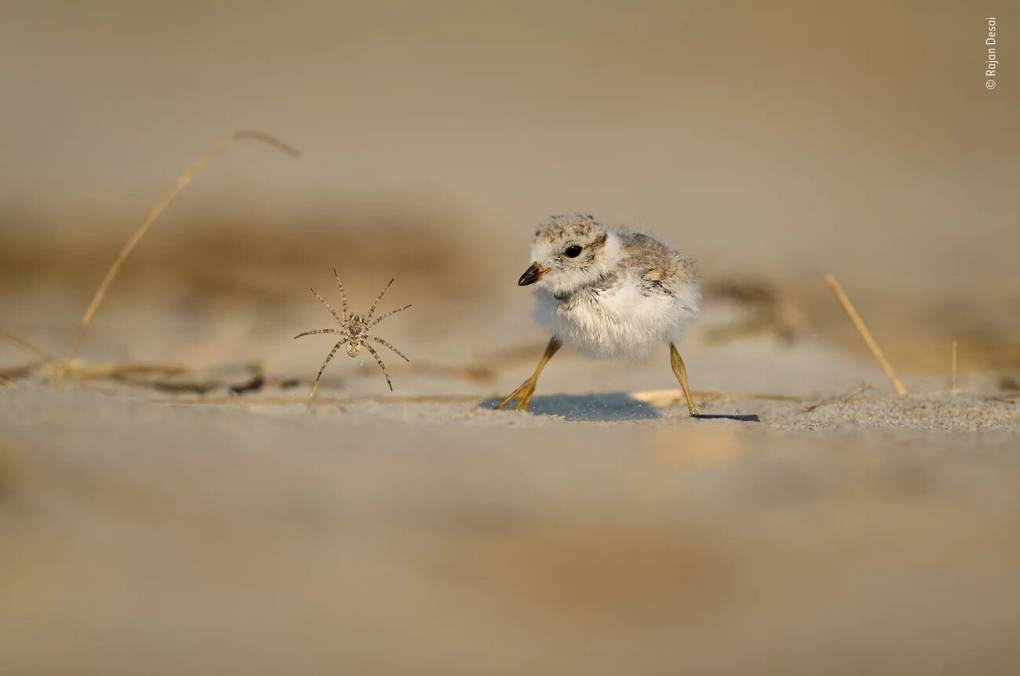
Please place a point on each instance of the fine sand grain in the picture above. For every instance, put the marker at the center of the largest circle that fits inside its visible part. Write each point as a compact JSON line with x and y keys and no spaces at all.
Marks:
{"x":147,"y":535}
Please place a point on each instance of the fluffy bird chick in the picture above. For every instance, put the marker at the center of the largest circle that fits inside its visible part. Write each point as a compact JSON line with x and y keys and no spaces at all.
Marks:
{"x":608,"y":293}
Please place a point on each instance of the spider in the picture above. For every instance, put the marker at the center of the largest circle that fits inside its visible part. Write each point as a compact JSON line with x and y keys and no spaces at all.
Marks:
{"x":353,"y":332}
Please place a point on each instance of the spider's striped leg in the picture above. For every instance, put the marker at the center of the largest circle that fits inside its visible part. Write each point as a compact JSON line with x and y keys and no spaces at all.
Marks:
{"x":378,"y":360}
{"x":343,"y":294}
{"x":315,"y":387}
{"x":371,"y":310}
{"x":312,"y":333}
{"x":523,"y":393}
{"x":387,"y":314}
{"x":383,"y":342}
{"x":328,"y":306}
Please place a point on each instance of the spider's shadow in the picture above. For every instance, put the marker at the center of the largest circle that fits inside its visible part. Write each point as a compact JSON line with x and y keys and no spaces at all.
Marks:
{"x":589,"y":407}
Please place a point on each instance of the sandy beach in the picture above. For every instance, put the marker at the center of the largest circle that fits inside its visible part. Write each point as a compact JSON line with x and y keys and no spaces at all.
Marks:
{"x":174,"y":505}
{"x":156,"y":537}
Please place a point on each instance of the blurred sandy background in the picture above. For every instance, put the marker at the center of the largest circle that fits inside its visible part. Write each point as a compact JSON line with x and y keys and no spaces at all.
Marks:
{"x":773,"y":142}
{"x":176,"y":527}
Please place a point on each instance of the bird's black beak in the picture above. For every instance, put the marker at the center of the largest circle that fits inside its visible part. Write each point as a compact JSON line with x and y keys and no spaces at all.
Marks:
{"x":531,"y":275}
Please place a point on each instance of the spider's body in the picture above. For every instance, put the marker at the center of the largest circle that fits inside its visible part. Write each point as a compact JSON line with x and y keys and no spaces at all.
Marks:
{"x":354,"y":332}
{"x":357,"y":331}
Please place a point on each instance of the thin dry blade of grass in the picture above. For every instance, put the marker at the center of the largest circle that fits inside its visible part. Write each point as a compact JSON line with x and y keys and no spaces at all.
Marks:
{"x":302,"y":400}
{"x":136,"y":237}
{"x":862,"y":329}
{"x":31,"y":347}
{"x":835,"y":400}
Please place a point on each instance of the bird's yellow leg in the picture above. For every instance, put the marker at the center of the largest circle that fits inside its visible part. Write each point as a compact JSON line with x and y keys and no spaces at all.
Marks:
{"x":680,"y":371}
{"x":523,"y":393}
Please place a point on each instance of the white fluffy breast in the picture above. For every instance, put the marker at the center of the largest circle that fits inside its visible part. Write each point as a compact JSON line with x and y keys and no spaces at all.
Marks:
{"x":621,"y":320}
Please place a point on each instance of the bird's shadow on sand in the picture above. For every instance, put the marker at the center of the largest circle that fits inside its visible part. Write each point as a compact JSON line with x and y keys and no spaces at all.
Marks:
{"x":608,"y":407}
{"x":589,"y":407}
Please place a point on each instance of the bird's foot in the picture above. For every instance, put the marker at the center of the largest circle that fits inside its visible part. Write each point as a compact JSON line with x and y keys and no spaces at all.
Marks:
{"x":522,"y":394}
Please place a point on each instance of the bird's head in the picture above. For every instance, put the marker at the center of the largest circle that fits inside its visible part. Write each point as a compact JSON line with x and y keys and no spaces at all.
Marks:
{"x":569,"y":252}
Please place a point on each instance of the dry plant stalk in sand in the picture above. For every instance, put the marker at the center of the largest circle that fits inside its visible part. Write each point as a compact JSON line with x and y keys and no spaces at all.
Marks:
{"x":7,"y":375}
{"x":862,"y":329}
{"x":842,"y":399}
{"x":34,"y":349}
{"x":136,"y":237}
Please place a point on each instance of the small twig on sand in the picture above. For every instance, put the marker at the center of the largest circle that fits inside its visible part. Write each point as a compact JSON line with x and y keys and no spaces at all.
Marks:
{"x":31,"y":347}
{"x":136,"y":237}
{"x":9,"y":374}
{"x":303,"y":400}
{"x":862,"y":329}
{"x":835,"y":400}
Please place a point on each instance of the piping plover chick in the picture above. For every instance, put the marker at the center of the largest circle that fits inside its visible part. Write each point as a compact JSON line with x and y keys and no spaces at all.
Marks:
{"x":608,"y":293}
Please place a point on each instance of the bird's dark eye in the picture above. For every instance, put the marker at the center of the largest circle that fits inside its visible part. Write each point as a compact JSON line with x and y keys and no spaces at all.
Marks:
{"x":572,"y":251}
